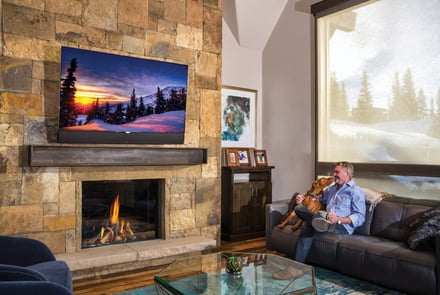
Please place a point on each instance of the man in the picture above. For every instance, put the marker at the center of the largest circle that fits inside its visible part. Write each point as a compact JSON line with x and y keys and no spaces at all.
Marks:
{"x":345,"y":210}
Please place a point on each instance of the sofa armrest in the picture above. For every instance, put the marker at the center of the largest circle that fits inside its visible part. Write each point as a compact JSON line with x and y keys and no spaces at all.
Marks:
{"x":274,"y":214}
{"x":23,"y":251}
{"x":33,"y":287}
{"x":19,"y":273}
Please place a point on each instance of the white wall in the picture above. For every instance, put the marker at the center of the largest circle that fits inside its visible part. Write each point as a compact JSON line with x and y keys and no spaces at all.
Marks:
{"x":288,"y":116}
{"x":282,"y":76}
{"x":241,"y":67}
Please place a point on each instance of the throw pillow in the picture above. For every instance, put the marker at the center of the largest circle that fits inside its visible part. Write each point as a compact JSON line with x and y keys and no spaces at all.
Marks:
{"x":373,"y":197}
{"x":422,"y":231}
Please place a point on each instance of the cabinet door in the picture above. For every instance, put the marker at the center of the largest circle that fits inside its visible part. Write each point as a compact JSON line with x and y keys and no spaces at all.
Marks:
{"x":249,"y":201}
{"x":242,"y":208}
{"x":260,"y":197}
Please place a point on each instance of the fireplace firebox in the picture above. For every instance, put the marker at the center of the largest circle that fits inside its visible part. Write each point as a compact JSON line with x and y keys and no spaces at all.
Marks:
{"x":121,"y":211}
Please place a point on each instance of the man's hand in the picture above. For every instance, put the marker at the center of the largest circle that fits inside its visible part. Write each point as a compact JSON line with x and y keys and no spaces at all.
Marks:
{"x":299,"y":199}
{"x":332,"y":217}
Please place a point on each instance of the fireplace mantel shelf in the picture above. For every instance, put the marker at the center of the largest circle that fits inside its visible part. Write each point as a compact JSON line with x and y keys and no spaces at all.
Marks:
{"x":70,"y":156}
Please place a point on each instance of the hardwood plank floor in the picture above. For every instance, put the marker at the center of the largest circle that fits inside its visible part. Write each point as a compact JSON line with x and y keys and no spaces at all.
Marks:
{"x":115,"y":283}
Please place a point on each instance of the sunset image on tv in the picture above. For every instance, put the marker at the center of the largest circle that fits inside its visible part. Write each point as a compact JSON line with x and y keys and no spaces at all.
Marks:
{"x":109,"y":92}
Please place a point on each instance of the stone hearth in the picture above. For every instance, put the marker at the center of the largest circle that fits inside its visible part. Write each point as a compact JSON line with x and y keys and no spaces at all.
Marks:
{"x":99,"y":261}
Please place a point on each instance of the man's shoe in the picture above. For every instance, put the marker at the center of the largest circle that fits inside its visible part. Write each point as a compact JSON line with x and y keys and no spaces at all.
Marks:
{"x":322,"y":225}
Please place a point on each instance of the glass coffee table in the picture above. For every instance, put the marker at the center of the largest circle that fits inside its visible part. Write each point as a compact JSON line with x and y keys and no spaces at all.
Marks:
{"x":261,"y":274}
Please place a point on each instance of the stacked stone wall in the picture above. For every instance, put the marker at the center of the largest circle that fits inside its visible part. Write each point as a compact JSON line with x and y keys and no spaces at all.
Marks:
{"x":45,"y":202}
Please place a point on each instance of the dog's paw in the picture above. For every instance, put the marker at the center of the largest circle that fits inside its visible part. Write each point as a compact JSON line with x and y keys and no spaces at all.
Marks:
{"x":294,"y":228}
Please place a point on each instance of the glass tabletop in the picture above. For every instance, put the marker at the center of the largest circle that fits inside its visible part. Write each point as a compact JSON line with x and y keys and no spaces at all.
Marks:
{"x":261,"y":273}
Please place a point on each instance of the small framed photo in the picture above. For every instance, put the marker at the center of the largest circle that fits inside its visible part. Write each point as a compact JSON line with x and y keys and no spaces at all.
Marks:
{"x":243,"y":156}
{"x":231,"y":157}
{"x":260,"y":157}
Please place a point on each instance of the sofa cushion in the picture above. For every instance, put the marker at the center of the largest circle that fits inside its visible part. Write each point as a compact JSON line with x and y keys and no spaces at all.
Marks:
{"x":393,"y":215}
{"x":284,"y":240}
{"x":422,"y":232}
{"x":323,"y":250}
{"x":372,"y":198}
{"x":406,"y":269}
{"x":365,"y":228}
{"x":55,"y":271}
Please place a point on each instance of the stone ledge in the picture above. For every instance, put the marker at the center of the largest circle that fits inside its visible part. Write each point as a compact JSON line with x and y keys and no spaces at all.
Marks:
{"x":97,"y":261}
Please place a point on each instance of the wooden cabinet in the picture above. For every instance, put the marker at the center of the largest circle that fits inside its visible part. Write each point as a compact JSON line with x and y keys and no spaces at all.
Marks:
{"x":245,"y":193}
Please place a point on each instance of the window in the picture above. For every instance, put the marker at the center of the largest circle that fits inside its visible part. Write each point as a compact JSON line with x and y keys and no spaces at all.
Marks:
{"x":378,"y":89}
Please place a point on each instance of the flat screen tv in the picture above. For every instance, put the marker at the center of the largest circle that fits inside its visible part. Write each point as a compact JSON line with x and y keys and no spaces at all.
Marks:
{"x":114,"y":99}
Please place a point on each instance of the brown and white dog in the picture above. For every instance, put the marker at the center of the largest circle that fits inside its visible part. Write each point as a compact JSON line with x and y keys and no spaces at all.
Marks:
{"x":310,"y":201}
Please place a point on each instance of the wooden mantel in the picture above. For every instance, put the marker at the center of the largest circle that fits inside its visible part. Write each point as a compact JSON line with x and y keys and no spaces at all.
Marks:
{"x":70,"y":156}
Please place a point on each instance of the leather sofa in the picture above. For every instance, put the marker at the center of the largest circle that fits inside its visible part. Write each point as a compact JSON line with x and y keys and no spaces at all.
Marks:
{"x":379,"y":251}
{"x":27,"y":266}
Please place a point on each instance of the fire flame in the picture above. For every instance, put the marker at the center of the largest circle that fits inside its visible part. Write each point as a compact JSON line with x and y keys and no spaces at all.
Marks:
{"x":115,"y":230}
{"x":114,"y":211}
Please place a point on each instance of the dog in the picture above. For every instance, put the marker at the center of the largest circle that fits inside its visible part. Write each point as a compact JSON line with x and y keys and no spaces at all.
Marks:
{"x":310,"y":201}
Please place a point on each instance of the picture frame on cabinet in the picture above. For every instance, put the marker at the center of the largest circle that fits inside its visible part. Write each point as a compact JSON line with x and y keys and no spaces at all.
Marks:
{"x":238,"y":115}
{"x":244,"y":158}
{"x":260,"y":156}
{"x":231,"y":156}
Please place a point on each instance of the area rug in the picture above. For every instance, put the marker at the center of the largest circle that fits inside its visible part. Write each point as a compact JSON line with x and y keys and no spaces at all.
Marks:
{"x":328,"y":283}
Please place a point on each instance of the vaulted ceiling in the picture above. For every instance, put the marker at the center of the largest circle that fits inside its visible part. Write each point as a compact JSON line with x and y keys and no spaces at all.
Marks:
{"x":252,"y":21}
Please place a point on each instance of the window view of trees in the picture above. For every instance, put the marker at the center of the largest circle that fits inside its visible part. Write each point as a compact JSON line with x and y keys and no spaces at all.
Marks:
{"x":406,"y":103}
{"x":378,"y":92}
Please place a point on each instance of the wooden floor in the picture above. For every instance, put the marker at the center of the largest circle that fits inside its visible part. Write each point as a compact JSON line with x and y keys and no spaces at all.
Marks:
{"x":112,"y":284}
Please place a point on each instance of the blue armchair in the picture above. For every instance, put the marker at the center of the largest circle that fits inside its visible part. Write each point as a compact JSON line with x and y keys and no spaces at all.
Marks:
{"x":28,"y":266}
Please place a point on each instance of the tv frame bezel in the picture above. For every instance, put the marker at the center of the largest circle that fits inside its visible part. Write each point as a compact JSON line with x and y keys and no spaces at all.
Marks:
{"x":109,"y":137}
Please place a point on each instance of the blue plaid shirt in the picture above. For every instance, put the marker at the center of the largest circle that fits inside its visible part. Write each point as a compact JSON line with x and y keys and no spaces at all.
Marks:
{"x":349,"y":201}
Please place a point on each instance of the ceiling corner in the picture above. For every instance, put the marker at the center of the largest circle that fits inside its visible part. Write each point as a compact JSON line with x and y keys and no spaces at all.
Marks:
{"x":230,"y":17}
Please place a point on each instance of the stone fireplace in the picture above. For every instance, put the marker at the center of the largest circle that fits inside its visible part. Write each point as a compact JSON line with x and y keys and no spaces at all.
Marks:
{"x":42,"y":194}
{"x":172,"y":209}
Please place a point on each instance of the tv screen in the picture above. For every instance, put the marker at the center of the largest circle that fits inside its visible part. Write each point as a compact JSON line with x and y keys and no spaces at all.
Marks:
{"x":109,"y":98}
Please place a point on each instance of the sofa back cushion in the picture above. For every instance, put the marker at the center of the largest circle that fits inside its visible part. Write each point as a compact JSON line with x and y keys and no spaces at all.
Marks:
{"x":365,"y":228}
{"x":372,"y":198}
{"x":393,"y":215}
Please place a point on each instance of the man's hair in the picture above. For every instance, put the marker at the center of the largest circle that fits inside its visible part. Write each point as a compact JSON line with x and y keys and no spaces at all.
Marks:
{"x":348,"y":167}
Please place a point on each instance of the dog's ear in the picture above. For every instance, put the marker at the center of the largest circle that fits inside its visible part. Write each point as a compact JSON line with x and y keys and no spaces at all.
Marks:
{"x":293,"y":199}
{"x":292,"y":202}
{"x":319,"y":185}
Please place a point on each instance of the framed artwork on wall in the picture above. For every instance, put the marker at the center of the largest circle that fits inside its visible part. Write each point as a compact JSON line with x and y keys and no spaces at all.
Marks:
{"x":260,"y":157}
{"x":238,"y":115}
{"x":244,"y":158}
{"x":231,"y":157}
